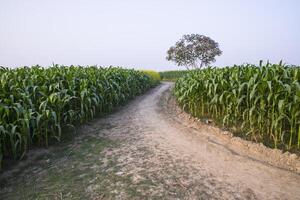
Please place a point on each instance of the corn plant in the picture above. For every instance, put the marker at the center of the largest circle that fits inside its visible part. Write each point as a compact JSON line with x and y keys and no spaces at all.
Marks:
{"x":263,"y":101}
{"x":37,"y":103}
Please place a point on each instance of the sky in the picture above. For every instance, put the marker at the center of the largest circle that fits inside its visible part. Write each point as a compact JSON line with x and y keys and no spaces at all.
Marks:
{"x":138,"y":33}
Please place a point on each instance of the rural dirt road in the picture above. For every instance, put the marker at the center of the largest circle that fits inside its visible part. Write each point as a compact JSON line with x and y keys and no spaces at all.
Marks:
{"x":149,"y":149}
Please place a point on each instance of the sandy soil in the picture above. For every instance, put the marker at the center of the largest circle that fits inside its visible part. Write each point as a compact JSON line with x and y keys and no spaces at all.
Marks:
{"x":150,"y":149}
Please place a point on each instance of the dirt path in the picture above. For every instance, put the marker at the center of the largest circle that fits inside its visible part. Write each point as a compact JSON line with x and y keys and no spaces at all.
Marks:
{"x":151,"y":150}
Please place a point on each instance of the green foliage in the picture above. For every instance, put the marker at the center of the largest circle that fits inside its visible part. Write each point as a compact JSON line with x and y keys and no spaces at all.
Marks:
{"x":194,"y":51}
{"x":155,"y":76}
{"x":172,"y":75}
{"x":37,"y":103}
{"x":262,"y":102}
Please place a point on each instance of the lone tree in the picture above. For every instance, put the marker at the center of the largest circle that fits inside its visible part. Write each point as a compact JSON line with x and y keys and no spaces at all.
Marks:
{"x":194,"y":50}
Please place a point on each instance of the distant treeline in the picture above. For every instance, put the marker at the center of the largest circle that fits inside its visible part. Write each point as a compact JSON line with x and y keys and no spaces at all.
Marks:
{"x":172,"y":75}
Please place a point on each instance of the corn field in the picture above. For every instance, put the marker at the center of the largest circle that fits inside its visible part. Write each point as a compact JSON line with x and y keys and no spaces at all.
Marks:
{"x":262,"y":103}
{"x":37,"y":103}
{"x":172,"y":75}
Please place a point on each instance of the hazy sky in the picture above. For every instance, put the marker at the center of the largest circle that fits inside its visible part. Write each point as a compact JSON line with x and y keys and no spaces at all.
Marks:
{"x":137,"y":33}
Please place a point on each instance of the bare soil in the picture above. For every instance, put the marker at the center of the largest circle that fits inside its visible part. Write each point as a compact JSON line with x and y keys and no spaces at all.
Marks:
{"x":151,"y":149}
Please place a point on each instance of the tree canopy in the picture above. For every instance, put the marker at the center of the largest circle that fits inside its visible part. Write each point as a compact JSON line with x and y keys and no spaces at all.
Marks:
{"x":194,"y":51}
